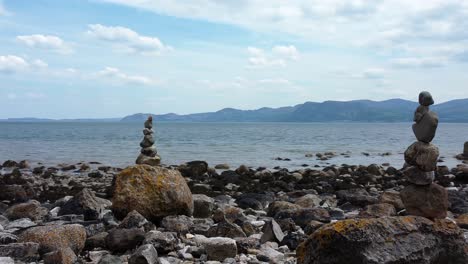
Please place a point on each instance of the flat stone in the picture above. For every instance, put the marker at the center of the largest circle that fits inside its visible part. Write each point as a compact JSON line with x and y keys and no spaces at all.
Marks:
{"x":145,"y":254}
{"x":219,"y":248}
{"x":149,"y":151}
{"x":272,"y":232}
{"x":148,"y":131}
{"x":417,"y":176}
{"x":430,"y":201}
{"x":23,"y":251}
{"x":423,"y":155}
{"x":425,"y":129}
{"x":425,"y":98}
{"x":152,"y":161}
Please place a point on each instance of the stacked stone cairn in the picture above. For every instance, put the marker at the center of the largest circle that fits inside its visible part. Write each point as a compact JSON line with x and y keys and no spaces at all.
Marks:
{"x":423,"y":197}
{"x":149,"y":154}
{"x":464,"y":155}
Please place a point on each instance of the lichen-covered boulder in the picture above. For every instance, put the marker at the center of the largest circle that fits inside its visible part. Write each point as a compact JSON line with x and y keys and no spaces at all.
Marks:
{"x":403,"y":240}
{"x":56,"y":237}
{"x":154,"y":192}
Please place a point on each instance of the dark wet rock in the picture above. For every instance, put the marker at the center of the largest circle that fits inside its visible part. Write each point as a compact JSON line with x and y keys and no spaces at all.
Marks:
{"x":272,"y":232}
{"x":32,"y":210}
{"x":422,"y":155}
{"x":28,"y":251}
{"x":178,"y":224}
{"x":458,"y":201}
{"x":61,"y":256}
{"x":303,"y":216}
{"x":312,"y":226}
{"x":7,"y":238}
{"x":85,"y":203}
{"x":65,"y":167}
{"x":247,"y":202}
{"x":96,"y":241}
{"x":359,"y":197}
{"x":244,"y":244}
{"x":38,"y":170}
{"x":154,"y":192}
{"x":203,"y":206}
{"x":55,"y":237}
{"x":121,"y":240}
{"x":145,"y":254}
{"x":414,"y":240}
{"x":16,"y":193}
{"x":135,"y":220}
{"x":293,"y":240}
{"x":430,"y":201}
{"x":226,"y":229}
{"x":10,"y":164}
{"x":164,"y":242}
{"x":393,"y":198}
{"x":193,"y":169}
{"x":95,"y":174}
{"x":375,"y":169}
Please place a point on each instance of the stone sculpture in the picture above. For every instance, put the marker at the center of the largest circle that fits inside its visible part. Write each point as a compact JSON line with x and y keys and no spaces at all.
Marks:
{"x":149,"y":154}
{"x":423,"y":197}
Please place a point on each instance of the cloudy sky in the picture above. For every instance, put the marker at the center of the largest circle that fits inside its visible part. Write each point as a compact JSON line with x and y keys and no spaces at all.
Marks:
{"x":110,"y":58}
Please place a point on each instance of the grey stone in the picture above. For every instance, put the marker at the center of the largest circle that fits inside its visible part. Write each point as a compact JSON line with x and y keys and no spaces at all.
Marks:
{"x":272,"y":232}
{"x":164,"y":242}
{"x":149,"y":151}
{"x":425,"y":98}
{"x":430,"y":201}
{"x":110,"y":259}
{"x":220,"y":248}
{"x":425,"y":129}
{"x":147,"y":141}
{"x":85,"y":203}
{"x":147,"y":131}
{"x":202,"y":205}
{"x":417,"y":176}
{"x":145,"y":254}
{"x":20,"y":224}
{"x":7,"y":238}
{"x":423,"y":155}
{"x":28,"y":251}
{"x":152,"y":161}
{"x":6,"y":260}
{"x":149,"y":122}
{"x":270,"y":255}
{"x":177,"y":223}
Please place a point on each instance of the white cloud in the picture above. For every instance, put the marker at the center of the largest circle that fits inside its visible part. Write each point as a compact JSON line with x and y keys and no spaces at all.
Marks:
{"x":118,"y":77}
{"x":3,"y":11}
{"x":383,"y":25}
{"x":128,"y":39}
{"x":371,"y":73}
{"x":47,"y":42}
{"x":428,"y":62}
{"x":279,"y":56}
{"x":12,"y":64}
{"x":289,"y":52}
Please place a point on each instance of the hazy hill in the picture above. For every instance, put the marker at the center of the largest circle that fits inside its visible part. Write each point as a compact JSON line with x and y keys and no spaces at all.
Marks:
{"x":394,"y":110}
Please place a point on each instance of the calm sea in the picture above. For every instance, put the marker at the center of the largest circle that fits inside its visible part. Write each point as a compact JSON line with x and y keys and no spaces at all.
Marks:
{"x":253,"y":144}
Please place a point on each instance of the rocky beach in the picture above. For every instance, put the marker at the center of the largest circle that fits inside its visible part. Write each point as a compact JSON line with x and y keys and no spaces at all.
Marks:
{"x":92,"y":213}
{"x":203,"y":213}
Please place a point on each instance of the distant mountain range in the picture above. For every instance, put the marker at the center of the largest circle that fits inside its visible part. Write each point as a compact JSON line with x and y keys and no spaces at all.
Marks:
{"x":393,"y":110}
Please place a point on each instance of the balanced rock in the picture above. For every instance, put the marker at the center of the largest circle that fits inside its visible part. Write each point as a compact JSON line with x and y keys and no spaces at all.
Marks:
{"x":422,"y":155}
{"x":148,"y":154}
{"x":425,"y":99}
{"x":148,"y":160}
{"x":154,"y":192}
{"x":465,"y":149}
{"x":425,"y":129}
{"x":430,"y":201}
{"x":417,"y":176}
{"x":385,"y":240}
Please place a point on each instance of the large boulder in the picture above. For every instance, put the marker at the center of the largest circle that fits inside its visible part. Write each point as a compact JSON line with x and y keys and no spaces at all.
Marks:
{"x":154,"y":192}
{"x":430,"y":201}
{"x":422,"y":155}
{"x":403,"y":240}
{"x":55,"y":237}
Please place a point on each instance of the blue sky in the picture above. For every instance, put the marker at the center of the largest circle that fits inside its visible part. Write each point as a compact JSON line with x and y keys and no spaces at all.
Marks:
{"x":110,"y":58}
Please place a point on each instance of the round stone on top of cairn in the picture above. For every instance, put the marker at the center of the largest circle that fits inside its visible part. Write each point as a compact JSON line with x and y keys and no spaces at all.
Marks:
{"x":423,"y":197}
{"x":149,"y":154}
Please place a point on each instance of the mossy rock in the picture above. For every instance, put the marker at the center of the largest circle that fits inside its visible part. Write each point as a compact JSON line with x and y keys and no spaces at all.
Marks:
{"x":407,"y":239}
{"x":154,"y":192}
